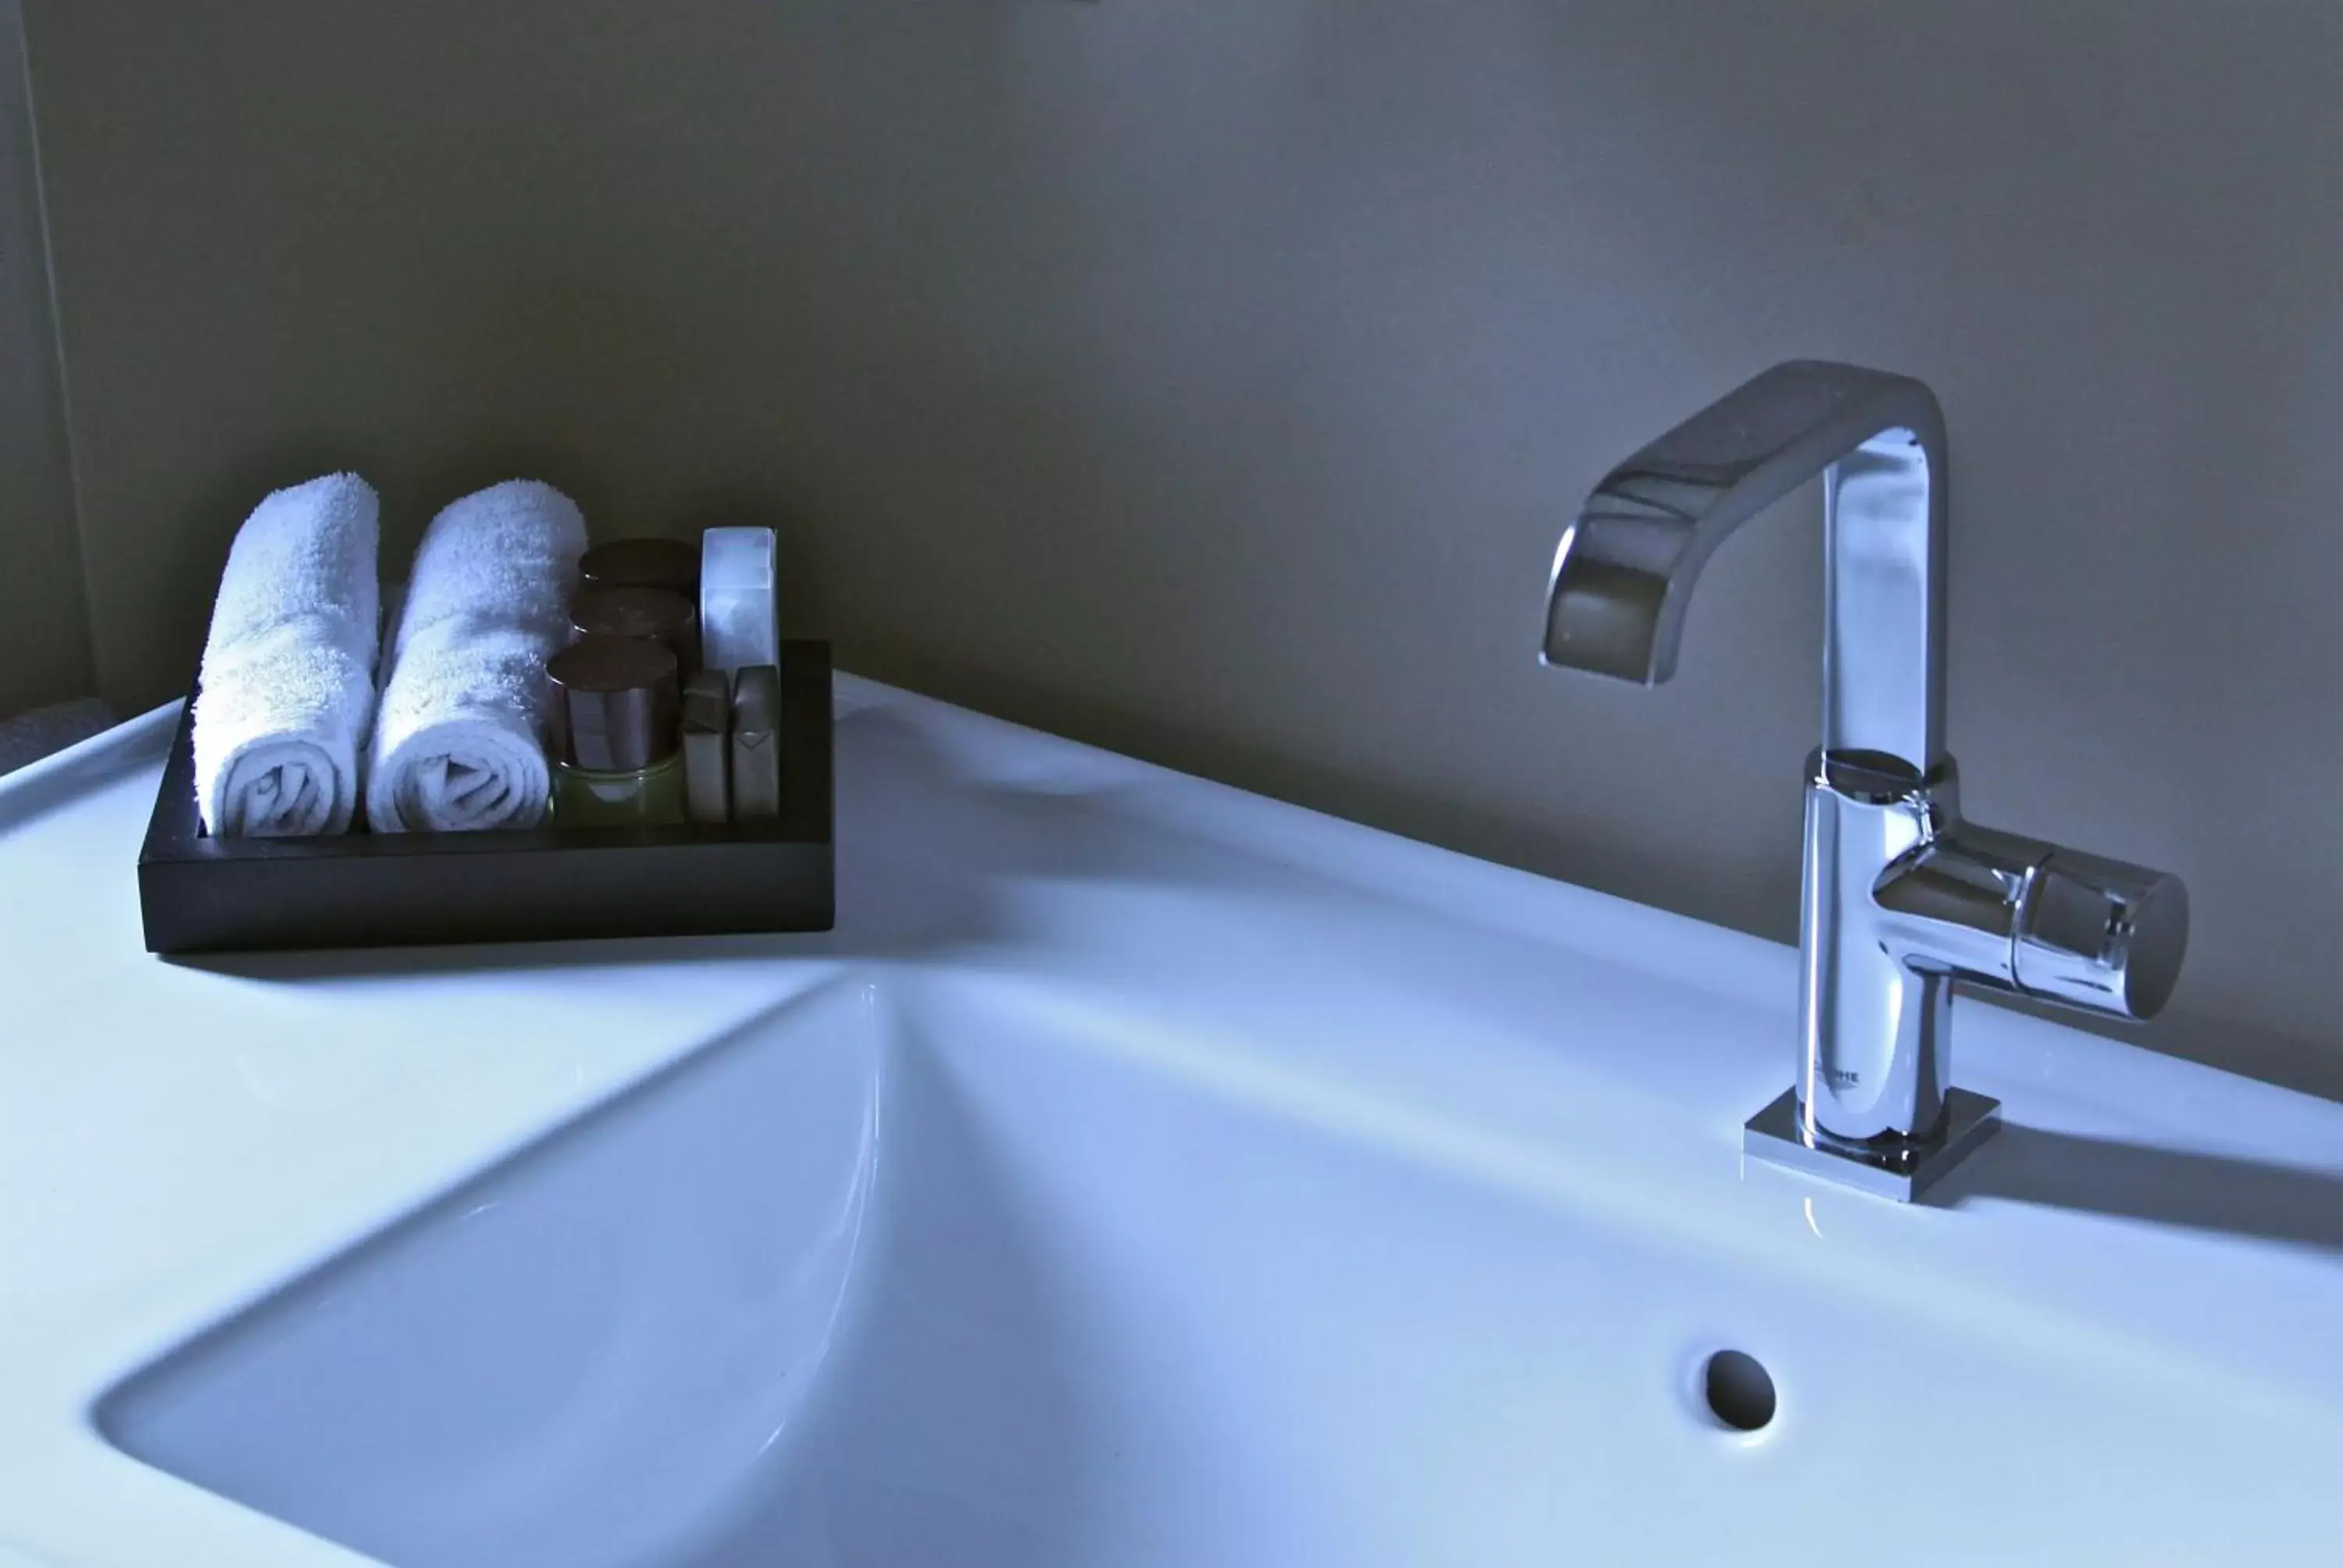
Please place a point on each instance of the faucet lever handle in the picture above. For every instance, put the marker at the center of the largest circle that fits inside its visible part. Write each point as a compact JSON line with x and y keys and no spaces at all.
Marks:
{"x":2101,"y":934}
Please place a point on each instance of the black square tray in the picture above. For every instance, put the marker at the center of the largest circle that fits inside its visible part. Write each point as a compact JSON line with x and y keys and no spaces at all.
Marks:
{"x":200,"y":894}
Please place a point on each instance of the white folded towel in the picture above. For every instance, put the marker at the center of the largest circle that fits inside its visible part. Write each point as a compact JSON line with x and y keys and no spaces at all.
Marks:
{"x":461,"y":742}
{"x":286,"y":689}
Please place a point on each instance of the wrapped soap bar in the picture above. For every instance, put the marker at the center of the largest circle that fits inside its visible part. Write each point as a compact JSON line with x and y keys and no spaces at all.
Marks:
{"x":756,"y":743}
{"x":706,"y":733}
{"x":739,"y":623}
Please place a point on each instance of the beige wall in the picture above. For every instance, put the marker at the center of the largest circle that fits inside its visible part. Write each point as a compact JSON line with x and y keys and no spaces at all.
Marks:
{"x":1209,"y":378}
{"x":44,"y":649}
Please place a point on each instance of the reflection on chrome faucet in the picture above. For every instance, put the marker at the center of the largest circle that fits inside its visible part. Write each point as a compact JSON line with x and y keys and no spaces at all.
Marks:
{"x":1901,"y":897}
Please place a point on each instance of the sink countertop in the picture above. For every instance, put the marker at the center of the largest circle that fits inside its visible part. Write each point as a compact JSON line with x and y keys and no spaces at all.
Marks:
{"x":177,"y":1139}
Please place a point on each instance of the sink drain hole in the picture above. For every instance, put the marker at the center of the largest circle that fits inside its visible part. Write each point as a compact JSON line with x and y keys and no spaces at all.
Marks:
{"x":1740,"y":1390}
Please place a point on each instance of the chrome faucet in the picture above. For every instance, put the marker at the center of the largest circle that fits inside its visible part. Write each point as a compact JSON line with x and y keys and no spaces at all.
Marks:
{"x":1900,"y":896}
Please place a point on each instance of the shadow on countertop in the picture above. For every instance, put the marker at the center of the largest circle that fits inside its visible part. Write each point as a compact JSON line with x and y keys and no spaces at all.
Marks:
{"x":2210,"y":1192}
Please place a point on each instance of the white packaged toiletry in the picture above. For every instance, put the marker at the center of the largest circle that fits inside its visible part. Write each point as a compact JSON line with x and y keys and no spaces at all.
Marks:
{"x":739,"y":624}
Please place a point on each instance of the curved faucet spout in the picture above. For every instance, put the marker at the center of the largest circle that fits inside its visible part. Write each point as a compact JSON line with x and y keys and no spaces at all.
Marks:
{"x":1626,"y":568}
{"x":1900,"y":897}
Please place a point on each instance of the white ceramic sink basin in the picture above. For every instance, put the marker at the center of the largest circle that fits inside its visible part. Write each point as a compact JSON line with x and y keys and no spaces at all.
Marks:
{"x":1149,"y":1174}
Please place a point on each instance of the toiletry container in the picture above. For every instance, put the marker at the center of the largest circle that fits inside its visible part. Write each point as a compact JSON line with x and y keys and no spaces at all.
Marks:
{"x":617,"y":761}
{"x":756,"y":743}
{"x":663,"y":615}
{"x":669,"y":564}
{"x":738,"y":624}
{"x":706,"y":734}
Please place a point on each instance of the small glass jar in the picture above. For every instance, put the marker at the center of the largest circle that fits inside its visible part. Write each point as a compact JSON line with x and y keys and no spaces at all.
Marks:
{"x":644,"y":797}
{"x":617,"y":761}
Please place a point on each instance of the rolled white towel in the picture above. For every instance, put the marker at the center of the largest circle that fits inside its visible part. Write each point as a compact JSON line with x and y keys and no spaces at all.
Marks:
{"x":461,"y":742}
{"x":286,"y":689}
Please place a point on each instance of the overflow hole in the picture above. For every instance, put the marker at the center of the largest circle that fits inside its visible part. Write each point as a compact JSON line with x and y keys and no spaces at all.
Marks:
{"x":1740,"y":1390}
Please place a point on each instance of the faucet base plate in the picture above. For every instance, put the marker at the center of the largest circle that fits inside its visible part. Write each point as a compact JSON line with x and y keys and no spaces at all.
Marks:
{"x":1773,"y":1136}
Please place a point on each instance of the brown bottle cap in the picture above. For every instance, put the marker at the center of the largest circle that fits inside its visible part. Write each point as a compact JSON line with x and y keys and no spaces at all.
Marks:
{"x":669,"y":564}
{"x":614,"y":701}
{"x":660,"y":614}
